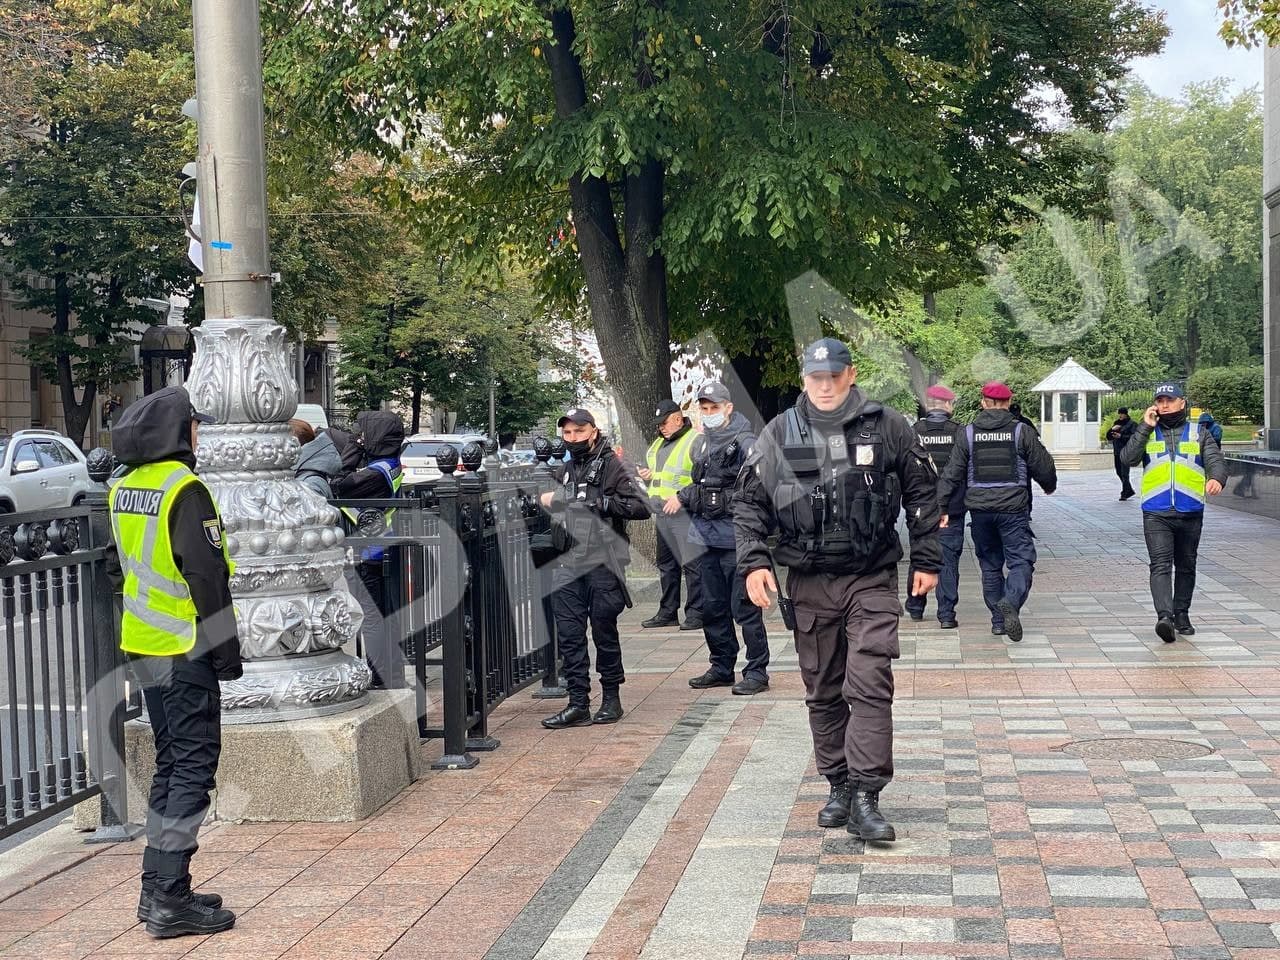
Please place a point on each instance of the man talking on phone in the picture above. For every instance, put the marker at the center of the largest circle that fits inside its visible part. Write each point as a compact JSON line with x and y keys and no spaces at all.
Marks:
{"x":831,"y":476}
{"x":1185,"y":464}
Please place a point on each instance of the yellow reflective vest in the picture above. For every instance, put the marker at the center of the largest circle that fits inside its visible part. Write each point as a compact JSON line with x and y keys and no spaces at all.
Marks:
{"x":1174,"y":482}
{"x":159,"y":614}
{"x":677,"y":469}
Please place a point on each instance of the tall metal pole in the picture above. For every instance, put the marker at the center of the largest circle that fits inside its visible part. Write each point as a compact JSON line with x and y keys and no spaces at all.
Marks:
{"x":232,"y":159}
{"x":293,"y":608}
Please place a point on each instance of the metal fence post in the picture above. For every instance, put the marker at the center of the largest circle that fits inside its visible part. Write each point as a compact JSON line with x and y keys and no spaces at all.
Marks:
{"x":452,"y":574}
{"x":552,"y":688}
{"x":106,"y":693}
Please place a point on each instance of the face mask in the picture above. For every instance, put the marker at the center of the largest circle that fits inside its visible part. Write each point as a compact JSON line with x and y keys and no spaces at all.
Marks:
{"x":714,"y":421}
{"x":578,"y":449}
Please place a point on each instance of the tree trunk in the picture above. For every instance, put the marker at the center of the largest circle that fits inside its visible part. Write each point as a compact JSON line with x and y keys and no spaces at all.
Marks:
{"x":75,"y":413}
{"x":626,"y":289}
{"x":416,"y":405}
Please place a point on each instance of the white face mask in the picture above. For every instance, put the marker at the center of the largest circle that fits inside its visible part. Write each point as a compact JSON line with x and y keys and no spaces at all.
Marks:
{"x":714,"y":421}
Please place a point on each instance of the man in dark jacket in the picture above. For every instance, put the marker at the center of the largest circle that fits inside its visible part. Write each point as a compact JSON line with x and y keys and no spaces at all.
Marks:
{"x":1119,"y":433}
{"x":937,"y":432}
{"x":178,"y":666}
{"x":374,"y":453}
{"x":718,"y":455}
{"x":1185,"y":465}
{"x":590,"y":512}
{"x":994,"y":460}
{"x":831,"y":475}
{"x":668,"y":470}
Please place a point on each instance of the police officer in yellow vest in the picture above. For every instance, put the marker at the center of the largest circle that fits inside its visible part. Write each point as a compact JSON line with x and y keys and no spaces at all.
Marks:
{"x":179,"y":630}
{"x":1185,"y":464}
{"x":668,"y":469}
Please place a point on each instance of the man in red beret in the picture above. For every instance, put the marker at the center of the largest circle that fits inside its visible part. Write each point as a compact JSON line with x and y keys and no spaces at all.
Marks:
{"x":992,"y":460}
{"x":937,"y":432}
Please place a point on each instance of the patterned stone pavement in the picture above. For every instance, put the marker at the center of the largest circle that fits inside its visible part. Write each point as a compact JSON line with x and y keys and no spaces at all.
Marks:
{"x":688,"y":831}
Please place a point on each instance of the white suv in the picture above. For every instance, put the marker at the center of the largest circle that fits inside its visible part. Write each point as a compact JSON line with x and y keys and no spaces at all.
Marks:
{"x":418,"y":455}
{"x":41,"y":470}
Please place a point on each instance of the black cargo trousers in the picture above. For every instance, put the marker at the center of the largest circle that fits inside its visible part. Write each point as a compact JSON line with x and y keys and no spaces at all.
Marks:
{"x":184,"y":706}
{"x":846,"y":639}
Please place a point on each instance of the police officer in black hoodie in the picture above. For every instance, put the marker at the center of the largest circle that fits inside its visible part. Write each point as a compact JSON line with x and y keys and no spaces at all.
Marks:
{"x":937,"y":432}
{"x":590,"y":511}
{"x":181,"y":691}
{"x":832,"y":474}
{"x":372,"y":457}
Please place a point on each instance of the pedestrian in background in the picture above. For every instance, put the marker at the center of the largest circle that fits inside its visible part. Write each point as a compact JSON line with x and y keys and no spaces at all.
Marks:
{"x":831,"y":475}
{"x":937,"y":433}
{"x":668,"y":469}
{"x":178,"y":629}
{"x":1184,"y":465}
{"x":1119,"y":433}
{"x":994,"y":460}
{"x":590,"y":511}
{"x":372,"y":462}
{"x":718,"y":455}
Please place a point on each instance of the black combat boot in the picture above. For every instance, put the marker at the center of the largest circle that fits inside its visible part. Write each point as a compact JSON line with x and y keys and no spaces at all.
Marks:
{"x":836,"y":812}
{"x":610,"y":708}
{"x":184,"y":915}
{"x":211,"y":900}
{"x":1165,"y":630}
{"x":574,"y":715}
{"x":1182,"y":623}
{"x":1012,"y":621}
{"x":865,"y":819}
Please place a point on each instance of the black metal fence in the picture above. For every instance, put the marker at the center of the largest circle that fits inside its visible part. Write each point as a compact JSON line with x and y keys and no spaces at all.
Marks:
{"x":63,"y":694}
{"x":453,"y":578}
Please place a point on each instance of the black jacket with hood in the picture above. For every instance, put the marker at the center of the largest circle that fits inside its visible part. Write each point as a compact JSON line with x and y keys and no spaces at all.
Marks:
{"x":1040,"y":468}
{"x":593,"y":506}
{"x":379,"y":435}
{"x":907,"y":467}
{"x":158,"y":428}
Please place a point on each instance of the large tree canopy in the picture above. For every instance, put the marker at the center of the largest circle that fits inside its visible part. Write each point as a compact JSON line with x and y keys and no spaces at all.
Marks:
{"x":709,"y":150}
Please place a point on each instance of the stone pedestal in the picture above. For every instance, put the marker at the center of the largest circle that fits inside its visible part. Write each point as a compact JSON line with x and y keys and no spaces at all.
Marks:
{"x":316,"y":769}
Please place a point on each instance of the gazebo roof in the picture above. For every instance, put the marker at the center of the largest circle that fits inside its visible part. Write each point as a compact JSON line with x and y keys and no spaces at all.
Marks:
{"x":1071,"y":378}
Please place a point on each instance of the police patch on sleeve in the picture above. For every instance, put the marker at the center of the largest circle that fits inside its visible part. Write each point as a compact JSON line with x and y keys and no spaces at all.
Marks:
{"x":213,"y":533}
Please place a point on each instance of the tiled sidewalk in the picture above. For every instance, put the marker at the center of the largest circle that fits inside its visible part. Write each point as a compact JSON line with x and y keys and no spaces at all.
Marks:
{"x":687,"y":830}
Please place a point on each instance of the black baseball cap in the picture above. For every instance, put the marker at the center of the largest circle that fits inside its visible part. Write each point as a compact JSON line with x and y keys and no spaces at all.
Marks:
{"x":665,"y":409}
{"x":578,"y":415}
{"x":827,"y":355}
{"x":715,"y":391}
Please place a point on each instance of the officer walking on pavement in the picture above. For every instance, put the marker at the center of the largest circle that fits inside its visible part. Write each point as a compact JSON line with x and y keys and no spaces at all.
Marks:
{"x":668,"y":470}
{"x":937,"y":432}
{"x":1186,"y":464}
{"x":179,"y":631}
{"x":590,"y":513}
{"x":994,"y":460}
{"x":726,"y":442}
{"x":1119,"y":433}
{"x":831,"y":475}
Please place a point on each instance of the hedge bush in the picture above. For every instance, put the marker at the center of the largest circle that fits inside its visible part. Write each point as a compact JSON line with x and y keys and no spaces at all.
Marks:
{"x":1228,"y":392}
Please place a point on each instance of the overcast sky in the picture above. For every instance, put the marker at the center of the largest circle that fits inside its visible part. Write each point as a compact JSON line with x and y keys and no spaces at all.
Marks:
{"x":1193,"y":52}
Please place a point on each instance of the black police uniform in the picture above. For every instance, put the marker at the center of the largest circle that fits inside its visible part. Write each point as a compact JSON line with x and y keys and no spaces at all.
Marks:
{"x":994,"y":461}
{"x":833,"y":485}
{"x":182,"y":693}
{"x":590,"y":513}
{"x":718,"y":456}
{"x":937,"y":433}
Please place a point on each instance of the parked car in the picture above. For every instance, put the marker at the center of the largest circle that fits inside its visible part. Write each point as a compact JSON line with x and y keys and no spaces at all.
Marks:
{"x":314,"y":414}
{"x":418,"y":455}
{"x":41,"y":470}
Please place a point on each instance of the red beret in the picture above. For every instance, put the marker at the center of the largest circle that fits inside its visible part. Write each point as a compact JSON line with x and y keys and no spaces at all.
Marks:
{"x":997,"y":391}
{"x":939,"y":392}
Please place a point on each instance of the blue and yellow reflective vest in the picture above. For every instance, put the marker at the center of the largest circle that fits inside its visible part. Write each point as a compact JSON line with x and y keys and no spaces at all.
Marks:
{"x":1174,"y":482}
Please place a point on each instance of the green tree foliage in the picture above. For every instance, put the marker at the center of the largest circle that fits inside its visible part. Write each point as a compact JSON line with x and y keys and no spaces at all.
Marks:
{"x":430,"y":335}
{"x":1250,"y":22}
{"x":708,"y":152}
{"x":82,"y":209}
{"x":1228,"y":391}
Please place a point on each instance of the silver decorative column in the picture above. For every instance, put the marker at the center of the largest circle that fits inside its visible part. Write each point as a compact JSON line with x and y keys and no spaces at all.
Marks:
{"x":293,"y":609}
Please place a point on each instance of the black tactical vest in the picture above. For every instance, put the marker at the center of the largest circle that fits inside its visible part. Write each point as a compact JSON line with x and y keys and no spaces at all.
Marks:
{"x":938,"y":437}
{"x":714,"y":474}
{"x":994,"y":460}
{"x":838,"y":507}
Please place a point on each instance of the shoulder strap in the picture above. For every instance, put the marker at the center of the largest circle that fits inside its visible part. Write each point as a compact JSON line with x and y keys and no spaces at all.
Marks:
{"x":797,"y":429}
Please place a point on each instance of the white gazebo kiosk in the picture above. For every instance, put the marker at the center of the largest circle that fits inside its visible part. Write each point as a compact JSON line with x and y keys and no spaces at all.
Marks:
{"x":1070,"y":408}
